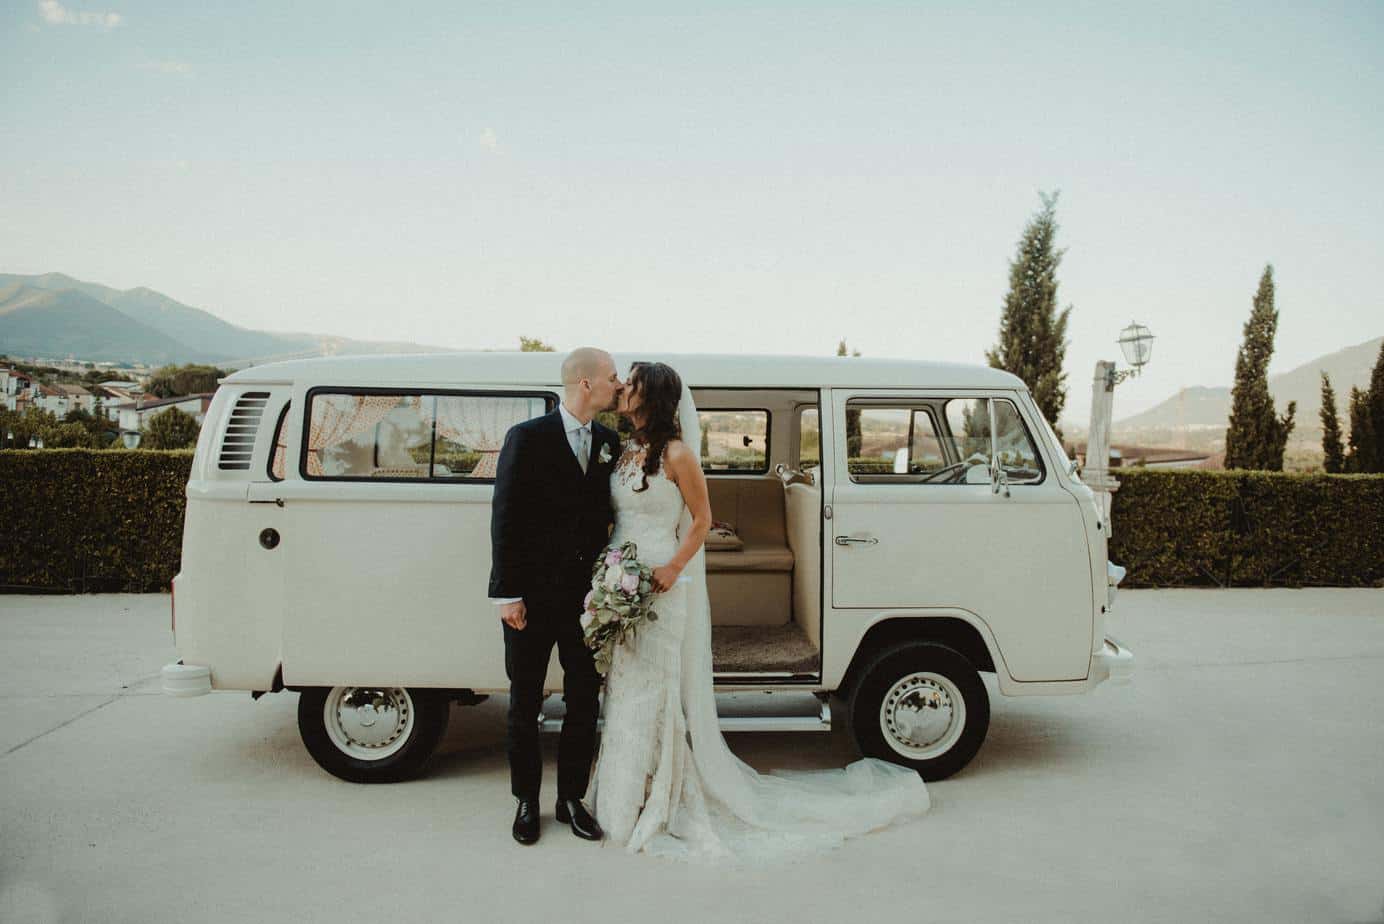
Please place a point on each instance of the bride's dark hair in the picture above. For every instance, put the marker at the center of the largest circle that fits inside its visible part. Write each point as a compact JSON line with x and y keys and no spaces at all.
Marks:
{"x":660,"y":389}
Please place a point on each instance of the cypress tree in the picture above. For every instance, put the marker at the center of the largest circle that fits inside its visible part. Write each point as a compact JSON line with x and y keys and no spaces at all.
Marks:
{"x":1333,"y":453}
{"x":1033,"y":333}
{"x":1375,"y":400}
{"x":1361,"y":456}
{"x":1256,"y":436}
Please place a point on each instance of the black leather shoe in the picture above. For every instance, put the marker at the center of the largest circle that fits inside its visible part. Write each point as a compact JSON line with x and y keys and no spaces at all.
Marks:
{"x":526,"y":821}
{"x":571,"y":811}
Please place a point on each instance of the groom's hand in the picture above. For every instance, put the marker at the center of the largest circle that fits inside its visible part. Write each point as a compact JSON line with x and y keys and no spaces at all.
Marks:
{"x":514,"y":614}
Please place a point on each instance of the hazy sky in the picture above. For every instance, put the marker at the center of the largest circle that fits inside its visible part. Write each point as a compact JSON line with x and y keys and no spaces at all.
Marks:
{"x":708,"y":177}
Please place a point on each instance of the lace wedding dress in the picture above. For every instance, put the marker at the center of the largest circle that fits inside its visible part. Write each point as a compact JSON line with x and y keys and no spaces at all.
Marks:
{"x":665,"y":782}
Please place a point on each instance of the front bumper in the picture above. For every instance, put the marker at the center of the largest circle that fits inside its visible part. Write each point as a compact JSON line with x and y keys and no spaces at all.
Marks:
{"x":1113,"y":662}
{"x":181,"y":679}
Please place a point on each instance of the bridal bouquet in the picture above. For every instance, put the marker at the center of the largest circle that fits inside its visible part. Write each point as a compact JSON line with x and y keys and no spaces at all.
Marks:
{"x":621,"y":598}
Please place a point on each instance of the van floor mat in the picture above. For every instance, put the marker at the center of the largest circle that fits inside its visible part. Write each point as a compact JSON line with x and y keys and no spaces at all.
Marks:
{"x":751,"y":649}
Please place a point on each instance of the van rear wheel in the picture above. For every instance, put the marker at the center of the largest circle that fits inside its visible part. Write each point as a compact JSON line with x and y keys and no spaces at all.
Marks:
{"x":372,"y":734}
{"x":922,"y":705}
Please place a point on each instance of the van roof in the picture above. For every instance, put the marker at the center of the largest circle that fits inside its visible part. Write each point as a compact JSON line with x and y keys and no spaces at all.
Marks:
{"x":704,"y":370}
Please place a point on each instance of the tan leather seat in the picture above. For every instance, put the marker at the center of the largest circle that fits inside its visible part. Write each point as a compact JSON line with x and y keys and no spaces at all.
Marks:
{"x":753,"y":586}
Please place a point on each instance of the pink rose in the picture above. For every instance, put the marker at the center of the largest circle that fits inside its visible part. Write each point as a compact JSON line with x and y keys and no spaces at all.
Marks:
{"x":613,"y":557}
{"x":629,"y":583}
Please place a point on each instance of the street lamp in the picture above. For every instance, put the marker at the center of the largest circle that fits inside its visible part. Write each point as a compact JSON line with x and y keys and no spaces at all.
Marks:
{"x":1136,"y":342}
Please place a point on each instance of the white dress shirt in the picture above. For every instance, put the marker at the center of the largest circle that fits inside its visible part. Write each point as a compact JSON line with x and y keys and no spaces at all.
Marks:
{"x":573,"y":426}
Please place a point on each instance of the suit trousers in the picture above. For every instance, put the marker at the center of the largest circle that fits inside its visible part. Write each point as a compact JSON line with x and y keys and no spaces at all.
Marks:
{"x":527,"y":651}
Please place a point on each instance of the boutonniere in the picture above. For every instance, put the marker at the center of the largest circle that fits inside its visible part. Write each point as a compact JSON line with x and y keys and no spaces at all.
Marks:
{"x":604,"y":456}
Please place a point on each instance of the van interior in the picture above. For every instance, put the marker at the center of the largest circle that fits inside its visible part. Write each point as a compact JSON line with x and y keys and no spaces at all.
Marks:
{"x":763,"y":557}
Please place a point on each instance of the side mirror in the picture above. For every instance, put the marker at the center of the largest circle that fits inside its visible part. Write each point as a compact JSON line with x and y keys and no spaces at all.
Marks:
{"x":998,"y":478}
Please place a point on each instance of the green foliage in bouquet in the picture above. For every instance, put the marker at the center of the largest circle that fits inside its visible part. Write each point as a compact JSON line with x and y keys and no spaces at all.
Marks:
{"x":620,"y":600}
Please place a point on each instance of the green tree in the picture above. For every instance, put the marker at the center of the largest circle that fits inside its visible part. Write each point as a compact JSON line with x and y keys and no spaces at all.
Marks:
{"x":176,"y":381}
{"x":1375,"y":400}
{"x":1360,"y":457}
{"x":1333,"y":453}
{"x":33,"y":423}
{"x":534,"y":345}
{"x":170,"y":429}
{"x":1257,"y":436}
{"x":1033,"y":333}
{"x":854,"y":438}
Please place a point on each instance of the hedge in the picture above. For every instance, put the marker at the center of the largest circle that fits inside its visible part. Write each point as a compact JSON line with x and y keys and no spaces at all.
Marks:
{"x":1248,"y":529}
{"x":80,"y":520}
{"x":88,"y":520}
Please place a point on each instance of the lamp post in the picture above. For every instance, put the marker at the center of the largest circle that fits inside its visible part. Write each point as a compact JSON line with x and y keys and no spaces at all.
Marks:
{"x":1136,"y":342}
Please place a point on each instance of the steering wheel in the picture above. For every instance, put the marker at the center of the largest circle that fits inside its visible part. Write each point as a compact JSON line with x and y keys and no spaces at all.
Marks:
{"x":956,"y":471}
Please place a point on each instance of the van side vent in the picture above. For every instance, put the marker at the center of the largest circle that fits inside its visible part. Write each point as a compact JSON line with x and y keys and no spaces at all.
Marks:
{"x":238,"y":442}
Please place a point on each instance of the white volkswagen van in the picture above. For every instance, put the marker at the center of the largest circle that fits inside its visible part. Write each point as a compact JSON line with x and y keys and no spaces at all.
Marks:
{"x":887,"y":531}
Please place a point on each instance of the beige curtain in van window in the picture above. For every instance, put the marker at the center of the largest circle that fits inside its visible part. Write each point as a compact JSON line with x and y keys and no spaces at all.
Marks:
{"x":339,"y":418}
{"x":479,"y":423}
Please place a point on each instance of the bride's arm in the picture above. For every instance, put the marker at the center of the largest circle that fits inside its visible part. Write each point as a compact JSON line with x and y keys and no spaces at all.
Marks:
{"x":685,"y":470}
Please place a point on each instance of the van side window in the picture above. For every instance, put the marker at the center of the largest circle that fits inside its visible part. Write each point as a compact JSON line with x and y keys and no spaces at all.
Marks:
{"x":891,"y":441}
{"x":278,"y":447}
{"x":809,"y":438}
{"x":735,"y":441}
{"x":388,"y":435}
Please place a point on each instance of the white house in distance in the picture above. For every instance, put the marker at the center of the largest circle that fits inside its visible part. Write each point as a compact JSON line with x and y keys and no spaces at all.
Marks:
{"x":62,"y":398}
{"x":16,"y":388}
{"x":135,"y":414}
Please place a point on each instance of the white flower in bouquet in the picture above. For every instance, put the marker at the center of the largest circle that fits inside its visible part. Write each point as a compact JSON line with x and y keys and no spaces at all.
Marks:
{"x":620,"y":599}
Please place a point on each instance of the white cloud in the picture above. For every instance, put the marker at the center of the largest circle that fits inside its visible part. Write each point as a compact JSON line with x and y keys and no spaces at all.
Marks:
{"x":55,"y":14}
{"x":489,"y":140}
{"x":166,"y":67}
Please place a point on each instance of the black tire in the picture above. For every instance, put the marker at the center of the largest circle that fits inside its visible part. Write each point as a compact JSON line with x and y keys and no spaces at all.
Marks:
{"x":429,"y":721}
{"x":893,"y":665}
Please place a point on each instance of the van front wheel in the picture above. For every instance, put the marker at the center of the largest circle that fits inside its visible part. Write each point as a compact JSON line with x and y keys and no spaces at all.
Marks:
{"x":372,"y":734}
{"x":922,"y":705}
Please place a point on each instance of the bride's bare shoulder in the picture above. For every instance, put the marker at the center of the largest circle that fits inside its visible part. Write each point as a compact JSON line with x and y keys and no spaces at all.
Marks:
{"x":678,"y":456}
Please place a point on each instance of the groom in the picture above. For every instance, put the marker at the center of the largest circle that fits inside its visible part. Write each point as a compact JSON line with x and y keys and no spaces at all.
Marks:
{"x":549,"y":519}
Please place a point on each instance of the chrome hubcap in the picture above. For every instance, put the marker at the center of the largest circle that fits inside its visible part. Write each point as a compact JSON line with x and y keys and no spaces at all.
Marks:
{"x":922,"y":715}
{"x":368,"y":723}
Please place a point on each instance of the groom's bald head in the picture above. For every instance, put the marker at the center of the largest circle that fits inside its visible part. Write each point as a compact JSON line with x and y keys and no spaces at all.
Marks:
{"x":585,"y":363}
{"x":590,"y":382}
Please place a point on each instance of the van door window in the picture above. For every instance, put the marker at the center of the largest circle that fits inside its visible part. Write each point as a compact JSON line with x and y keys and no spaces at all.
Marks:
{"x":1014,"y":447}
{"x":968,"y":423}
{"x":888,"y":443}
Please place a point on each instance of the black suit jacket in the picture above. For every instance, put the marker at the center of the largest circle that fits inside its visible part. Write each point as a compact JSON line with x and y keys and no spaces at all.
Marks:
{"x":548,"y":519}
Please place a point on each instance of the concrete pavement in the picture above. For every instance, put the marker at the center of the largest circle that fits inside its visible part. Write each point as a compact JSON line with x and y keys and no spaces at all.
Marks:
{"x":1240,"y":777}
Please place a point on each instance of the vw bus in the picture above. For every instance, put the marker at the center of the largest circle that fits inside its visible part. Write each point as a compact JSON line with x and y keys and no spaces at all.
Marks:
{"x":887,"y":531}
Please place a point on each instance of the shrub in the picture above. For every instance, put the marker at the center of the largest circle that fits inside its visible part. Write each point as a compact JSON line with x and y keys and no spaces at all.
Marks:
{"x":92,"y":520}
{"x":1248,"y":529}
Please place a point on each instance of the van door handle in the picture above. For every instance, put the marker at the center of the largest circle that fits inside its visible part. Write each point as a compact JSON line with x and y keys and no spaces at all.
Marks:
{"x":847,"y":540}
{"x":278,"y":501}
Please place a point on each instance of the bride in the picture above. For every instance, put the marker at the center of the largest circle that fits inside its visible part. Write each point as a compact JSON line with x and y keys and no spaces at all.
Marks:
{"x":665,"y":782}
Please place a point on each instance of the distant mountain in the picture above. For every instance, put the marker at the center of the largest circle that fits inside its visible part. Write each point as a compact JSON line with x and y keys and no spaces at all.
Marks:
{"x":34,"y":322}
{"x":195,"y":335}
{"x":1210,"y":407}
